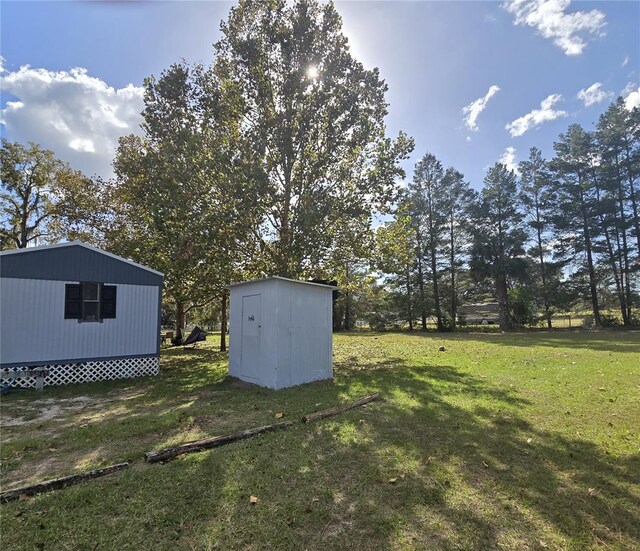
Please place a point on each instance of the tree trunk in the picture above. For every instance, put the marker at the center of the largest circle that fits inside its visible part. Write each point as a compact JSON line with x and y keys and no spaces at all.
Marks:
{"x":434,"y":268}
{"x":347,"y":302}
{"x":423,"y":310}
{"x":223,"y":322}
{"x":545,"y":300}
{"x":502,"y":293}
{"x":612,"y":257}
{"x":587,"y":242}
{"x":24,"y":218}
{"x":454,"y":298}
{"x":632,"y":195}
{"x":180,"y":317}
{"x":409,"y":309}
{"x":626,"y":307}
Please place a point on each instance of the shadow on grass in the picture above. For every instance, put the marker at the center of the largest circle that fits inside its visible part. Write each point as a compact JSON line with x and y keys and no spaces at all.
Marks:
{"x":471,"y":471}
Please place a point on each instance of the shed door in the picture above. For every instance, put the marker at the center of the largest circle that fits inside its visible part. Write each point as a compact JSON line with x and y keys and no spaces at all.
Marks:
{"x":250,"y":355}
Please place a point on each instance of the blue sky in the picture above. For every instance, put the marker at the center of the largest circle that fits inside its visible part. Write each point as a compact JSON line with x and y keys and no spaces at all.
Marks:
{"x":87,"y":61}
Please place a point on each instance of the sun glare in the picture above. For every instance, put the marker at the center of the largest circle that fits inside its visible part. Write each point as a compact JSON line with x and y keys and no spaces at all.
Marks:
{"x":312,"y":71}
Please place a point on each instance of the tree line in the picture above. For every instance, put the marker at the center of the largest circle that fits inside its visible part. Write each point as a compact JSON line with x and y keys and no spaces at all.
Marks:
{"x":275,"y":159}
{"x":561,"y":234}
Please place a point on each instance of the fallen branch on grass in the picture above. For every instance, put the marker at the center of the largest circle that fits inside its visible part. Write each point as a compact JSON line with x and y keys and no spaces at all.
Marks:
{"x":199,"y":445}
{"x":340,"y":409}
{"x":57,"y":483}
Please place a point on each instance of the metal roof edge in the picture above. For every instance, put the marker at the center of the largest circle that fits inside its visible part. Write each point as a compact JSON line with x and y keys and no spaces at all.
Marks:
{"x":280,"y":278}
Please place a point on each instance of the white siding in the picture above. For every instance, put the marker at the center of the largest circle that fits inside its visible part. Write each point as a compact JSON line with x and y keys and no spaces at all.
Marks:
{"x":33,"y":328}
{"x":295,"y":333}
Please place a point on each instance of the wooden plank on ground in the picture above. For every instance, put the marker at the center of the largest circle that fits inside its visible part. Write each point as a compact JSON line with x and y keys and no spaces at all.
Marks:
{"x":340,"y":409}
{"x":57,"y":483}
{"x":207,"y":443}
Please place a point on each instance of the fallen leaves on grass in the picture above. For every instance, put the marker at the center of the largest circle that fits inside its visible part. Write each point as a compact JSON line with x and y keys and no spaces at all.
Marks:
{"x":593,"y":492}
{"x":279,"y":415}
{"x":253,"y":500}
{"x":393,"y":480}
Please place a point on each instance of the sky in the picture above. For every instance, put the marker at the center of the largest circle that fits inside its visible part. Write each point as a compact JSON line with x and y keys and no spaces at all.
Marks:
{"x":472,"y":82}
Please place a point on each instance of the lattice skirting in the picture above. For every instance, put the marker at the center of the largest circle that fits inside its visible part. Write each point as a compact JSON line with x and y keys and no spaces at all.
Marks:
{"x":84,"y":372}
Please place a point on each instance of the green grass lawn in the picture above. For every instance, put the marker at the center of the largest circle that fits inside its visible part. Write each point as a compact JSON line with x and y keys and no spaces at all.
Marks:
{"x":524,"y":441}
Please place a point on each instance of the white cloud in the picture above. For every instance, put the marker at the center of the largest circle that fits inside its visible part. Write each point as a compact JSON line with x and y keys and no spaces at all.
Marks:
{"x":630,"y":87}
{"x":536,"y":117}
{"x":468,"y":138}
{"x":594,"y":94}
{"x":626,"y":60}
{"x":508,"y":159}
{"x":567,"y":30}
{"x":633,"y":99}
{"x":77,"y":116}
{"x":473,"y":110}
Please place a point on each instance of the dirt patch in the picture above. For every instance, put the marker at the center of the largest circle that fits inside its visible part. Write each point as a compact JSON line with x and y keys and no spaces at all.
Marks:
{"x":45,"y":410}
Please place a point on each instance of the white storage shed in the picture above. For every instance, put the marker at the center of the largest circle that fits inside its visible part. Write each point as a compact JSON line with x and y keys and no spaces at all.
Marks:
{"x":280,"y":332}
{"x":75,"y":313}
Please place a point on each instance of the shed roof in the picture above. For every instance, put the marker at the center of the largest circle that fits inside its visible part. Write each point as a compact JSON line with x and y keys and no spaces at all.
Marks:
{"x":280,"y":278}
{"x":75,"y":261}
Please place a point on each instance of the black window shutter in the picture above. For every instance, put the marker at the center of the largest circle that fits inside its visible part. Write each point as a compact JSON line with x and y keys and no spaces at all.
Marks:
{"x":108,"y":302}
{"x":73,"y":301}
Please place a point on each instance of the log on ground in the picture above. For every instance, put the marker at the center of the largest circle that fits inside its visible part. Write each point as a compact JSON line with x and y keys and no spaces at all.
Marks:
{"x":340,"y":409}
{"x":199,"y":445}
{"x":57,"y":483}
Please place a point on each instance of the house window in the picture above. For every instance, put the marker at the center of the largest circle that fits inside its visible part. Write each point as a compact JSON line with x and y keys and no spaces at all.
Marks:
{"x":90,"y":301}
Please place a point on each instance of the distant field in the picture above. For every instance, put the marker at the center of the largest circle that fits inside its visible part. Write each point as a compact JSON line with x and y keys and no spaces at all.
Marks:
{"x":518,"y":441}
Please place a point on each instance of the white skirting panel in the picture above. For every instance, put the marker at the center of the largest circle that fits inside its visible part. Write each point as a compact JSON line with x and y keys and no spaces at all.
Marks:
{"x":83,"y":372}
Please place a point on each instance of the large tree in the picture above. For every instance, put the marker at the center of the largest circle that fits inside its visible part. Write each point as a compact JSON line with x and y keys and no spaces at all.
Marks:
{"x":458,"y":198}
{"x":315,"y":119}
{"x":577,"y":205}
{"x":395,"y":253}
{"x":615,"y":178}
{"x":35,"y":197}
{"x":499,"y":238}
{"x":183,"y":196}
{"x":427,"y":210}
{"x":538,"y":199}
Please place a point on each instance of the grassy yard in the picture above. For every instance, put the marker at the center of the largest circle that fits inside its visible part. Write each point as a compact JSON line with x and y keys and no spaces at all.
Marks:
{"x":526,"y":441}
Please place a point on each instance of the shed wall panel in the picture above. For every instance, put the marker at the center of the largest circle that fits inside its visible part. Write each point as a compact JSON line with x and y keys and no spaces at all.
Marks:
{"x":33,"y":328}
{"x":295,"y":332}
{"x":310,"y":338}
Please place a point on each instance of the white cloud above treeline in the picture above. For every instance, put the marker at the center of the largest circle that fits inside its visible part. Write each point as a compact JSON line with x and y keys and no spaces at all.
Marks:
{"x":633,"y":99}
{"x":536,"y":117}
{"x":473,"y":110}
{"x":569,"y":31}
{"x":77,"y":116}
{"x":594,"y":94}
{"x":508,"y":159}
